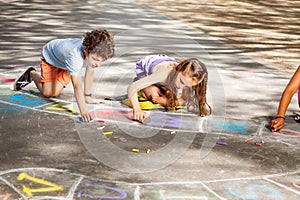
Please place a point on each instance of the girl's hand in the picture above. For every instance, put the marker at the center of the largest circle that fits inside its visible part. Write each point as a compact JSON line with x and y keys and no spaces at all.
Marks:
{"x":91,"y":100}
{"x":139,"y":115}
{"x":277,"y":124}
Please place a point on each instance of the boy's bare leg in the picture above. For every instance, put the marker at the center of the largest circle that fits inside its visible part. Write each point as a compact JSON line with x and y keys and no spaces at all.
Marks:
{"x":52,"y":89}
{"x":48,"y":89}
{"x":37,"y":80}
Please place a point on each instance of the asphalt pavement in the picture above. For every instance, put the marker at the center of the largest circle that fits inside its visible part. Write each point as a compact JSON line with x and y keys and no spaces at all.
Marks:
{"x":46,"y":153}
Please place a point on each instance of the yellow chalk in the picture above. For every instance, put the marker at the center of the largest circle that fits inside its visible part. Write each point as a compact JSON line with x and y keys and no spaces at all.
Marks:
{"x":107,"y":133}
{"x":148,"y":151}
{"x":29,"y":191}
{"x":135,"y":150}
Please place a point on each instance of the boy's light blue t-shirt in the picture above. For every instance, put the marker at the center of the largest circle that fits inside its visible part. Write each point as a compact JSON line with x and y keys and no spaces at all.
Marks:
{"x":66,"y":54}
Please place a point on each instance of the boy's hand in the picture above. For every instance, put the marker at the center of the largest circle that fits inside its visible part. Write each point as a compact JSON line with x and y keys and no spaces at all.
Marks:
{"x":91,"y":100}
{"x":87,"y":117}
{"x":277,"y":124}
{"x":139,"y":115}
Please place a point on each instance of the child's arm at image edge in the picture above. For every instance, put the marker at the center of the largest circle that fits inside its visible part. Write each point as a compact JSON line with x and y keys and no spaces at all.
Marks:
{"x":285,"y":100}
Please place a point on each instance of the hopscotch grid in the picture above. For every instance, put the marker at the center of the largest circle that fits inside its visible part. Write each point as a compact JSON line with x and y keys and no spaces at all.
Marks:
{"x":138,"y":185}
{"x":33,"y":108}
{"x":108,"y":120}
{"x":72,"y":190}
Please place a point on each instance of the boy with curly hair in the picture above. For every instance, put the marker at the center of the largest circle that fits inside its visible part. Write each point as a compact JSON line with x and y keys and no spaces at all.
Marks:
{"x":61,"y":61}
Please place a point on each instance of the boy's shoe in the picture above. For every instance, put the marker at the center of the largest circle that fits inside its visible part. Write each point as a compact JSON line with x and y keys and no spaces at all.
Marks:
{"x":297,"y":118}
{"x":24,"y":79}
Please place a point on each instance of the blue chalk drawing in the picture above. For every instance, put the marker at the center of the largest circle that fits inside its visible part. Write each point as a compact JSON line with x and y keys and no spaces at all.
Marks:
{"x":270,"y":193}
{"x":20,"y":98}
{"x":230,"y":126}
{"x":9,"y":108}
{"x":122,"y":194}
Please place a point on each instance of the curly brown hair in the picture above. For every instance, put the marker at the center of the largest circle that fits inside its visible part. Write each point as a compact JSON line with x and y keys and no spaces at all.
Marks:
{"x":196,"y":97}
{"x":100,"y":42}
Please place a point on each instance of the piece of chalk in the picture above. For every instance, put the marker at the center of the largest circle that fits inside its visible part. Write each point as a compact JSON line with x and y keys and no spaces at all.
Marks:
{"x":258,"y":144}
{"x":173,"y":132}
{"x":222,"y":143}
{"x":79,"y":121}
{"x":148,"y":151}
{"x":101,"y":121}
{"x":100,"y":128}
{"x":249,"y":139}
{"x":135,"y":150}
{"x":31,"y":91}
{"x":107,"y":133}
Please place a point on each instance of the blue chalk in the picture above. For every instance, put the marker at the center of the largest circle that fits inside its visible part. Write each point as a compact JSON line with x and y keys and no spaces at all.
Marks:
{"x":222,"y":143}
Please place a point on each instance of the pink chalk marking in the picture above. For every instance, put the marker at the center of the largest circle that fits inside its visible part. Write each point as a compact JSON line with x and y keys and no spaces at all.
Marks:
{"x":113,"y":115}
{"x":5,"y":196}
{"x":3,"y":79}
{"x":288,"y":131}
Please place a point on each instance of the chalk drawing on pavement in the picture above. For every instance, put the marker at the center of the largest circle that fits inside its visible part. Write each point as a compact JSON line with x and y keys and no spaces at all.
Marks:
{"x":43,"y":183}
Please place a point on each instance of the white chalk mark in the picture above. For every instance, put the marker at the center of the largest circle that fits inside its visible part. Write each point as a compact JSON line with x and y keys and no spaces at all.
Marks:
{"x":259,"y":177}
{"x":33,"y":108}
{"x":108,"y":120}
{"x":73,"y":188}
{"x":283,"y":186}
{"x":39,"y":106}
{"x":48,"y":197}
{"x":260,"y":129}
{"x":137,"y":193}
{"x":213,"y":192}
{"x":186,"y":197}
{"x":32,"y":169}
{"x":13,"y":187}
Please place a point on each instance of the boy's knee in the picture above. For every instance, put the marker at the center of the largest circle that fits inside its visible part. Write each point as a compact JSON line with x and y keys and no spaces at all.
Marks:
{"x":47,"y":94}
{"x":50,"y":94}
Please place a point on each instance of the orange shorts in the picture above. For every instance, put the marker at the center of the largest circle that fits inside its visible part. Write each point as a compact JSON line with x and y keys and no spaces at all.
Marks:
{"x":49,"y":73}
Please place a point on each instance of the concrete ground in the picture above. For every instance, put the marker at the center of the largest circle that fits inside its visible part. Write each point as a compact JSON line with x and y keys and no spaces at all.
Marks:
{"x":47,"y":154}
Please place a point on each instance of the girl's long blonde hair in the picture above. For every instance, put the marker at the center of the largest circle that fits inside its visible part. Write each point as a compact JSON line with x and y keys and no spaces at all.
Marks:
{"x":196,"y":96}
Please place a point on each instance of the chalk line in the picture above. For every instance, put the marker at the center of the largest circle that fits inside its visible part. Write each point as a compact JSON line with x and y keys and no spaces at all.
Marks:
{"x":73,"y":188}
{"x":13,"y":187}
{"x":39,"y":110}
{"x":32,"y":169}
{"x":137,"y":193}
{"x":218,"y":180}
{"x":211,"y":191}
{"x":48,"y":197}
{"x":283,"y":186}
{"x":75,"y":116}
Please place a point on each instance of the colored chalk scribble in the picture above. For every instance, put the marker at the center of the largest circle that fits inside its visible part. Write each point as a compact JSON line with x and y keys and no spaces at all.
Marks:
{"x":30,"y":191}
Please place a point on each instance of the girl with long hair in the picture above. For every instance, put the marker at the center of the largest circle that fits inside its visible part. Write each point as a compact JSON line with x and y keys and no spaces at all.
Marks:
{"x":170,"y":83}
